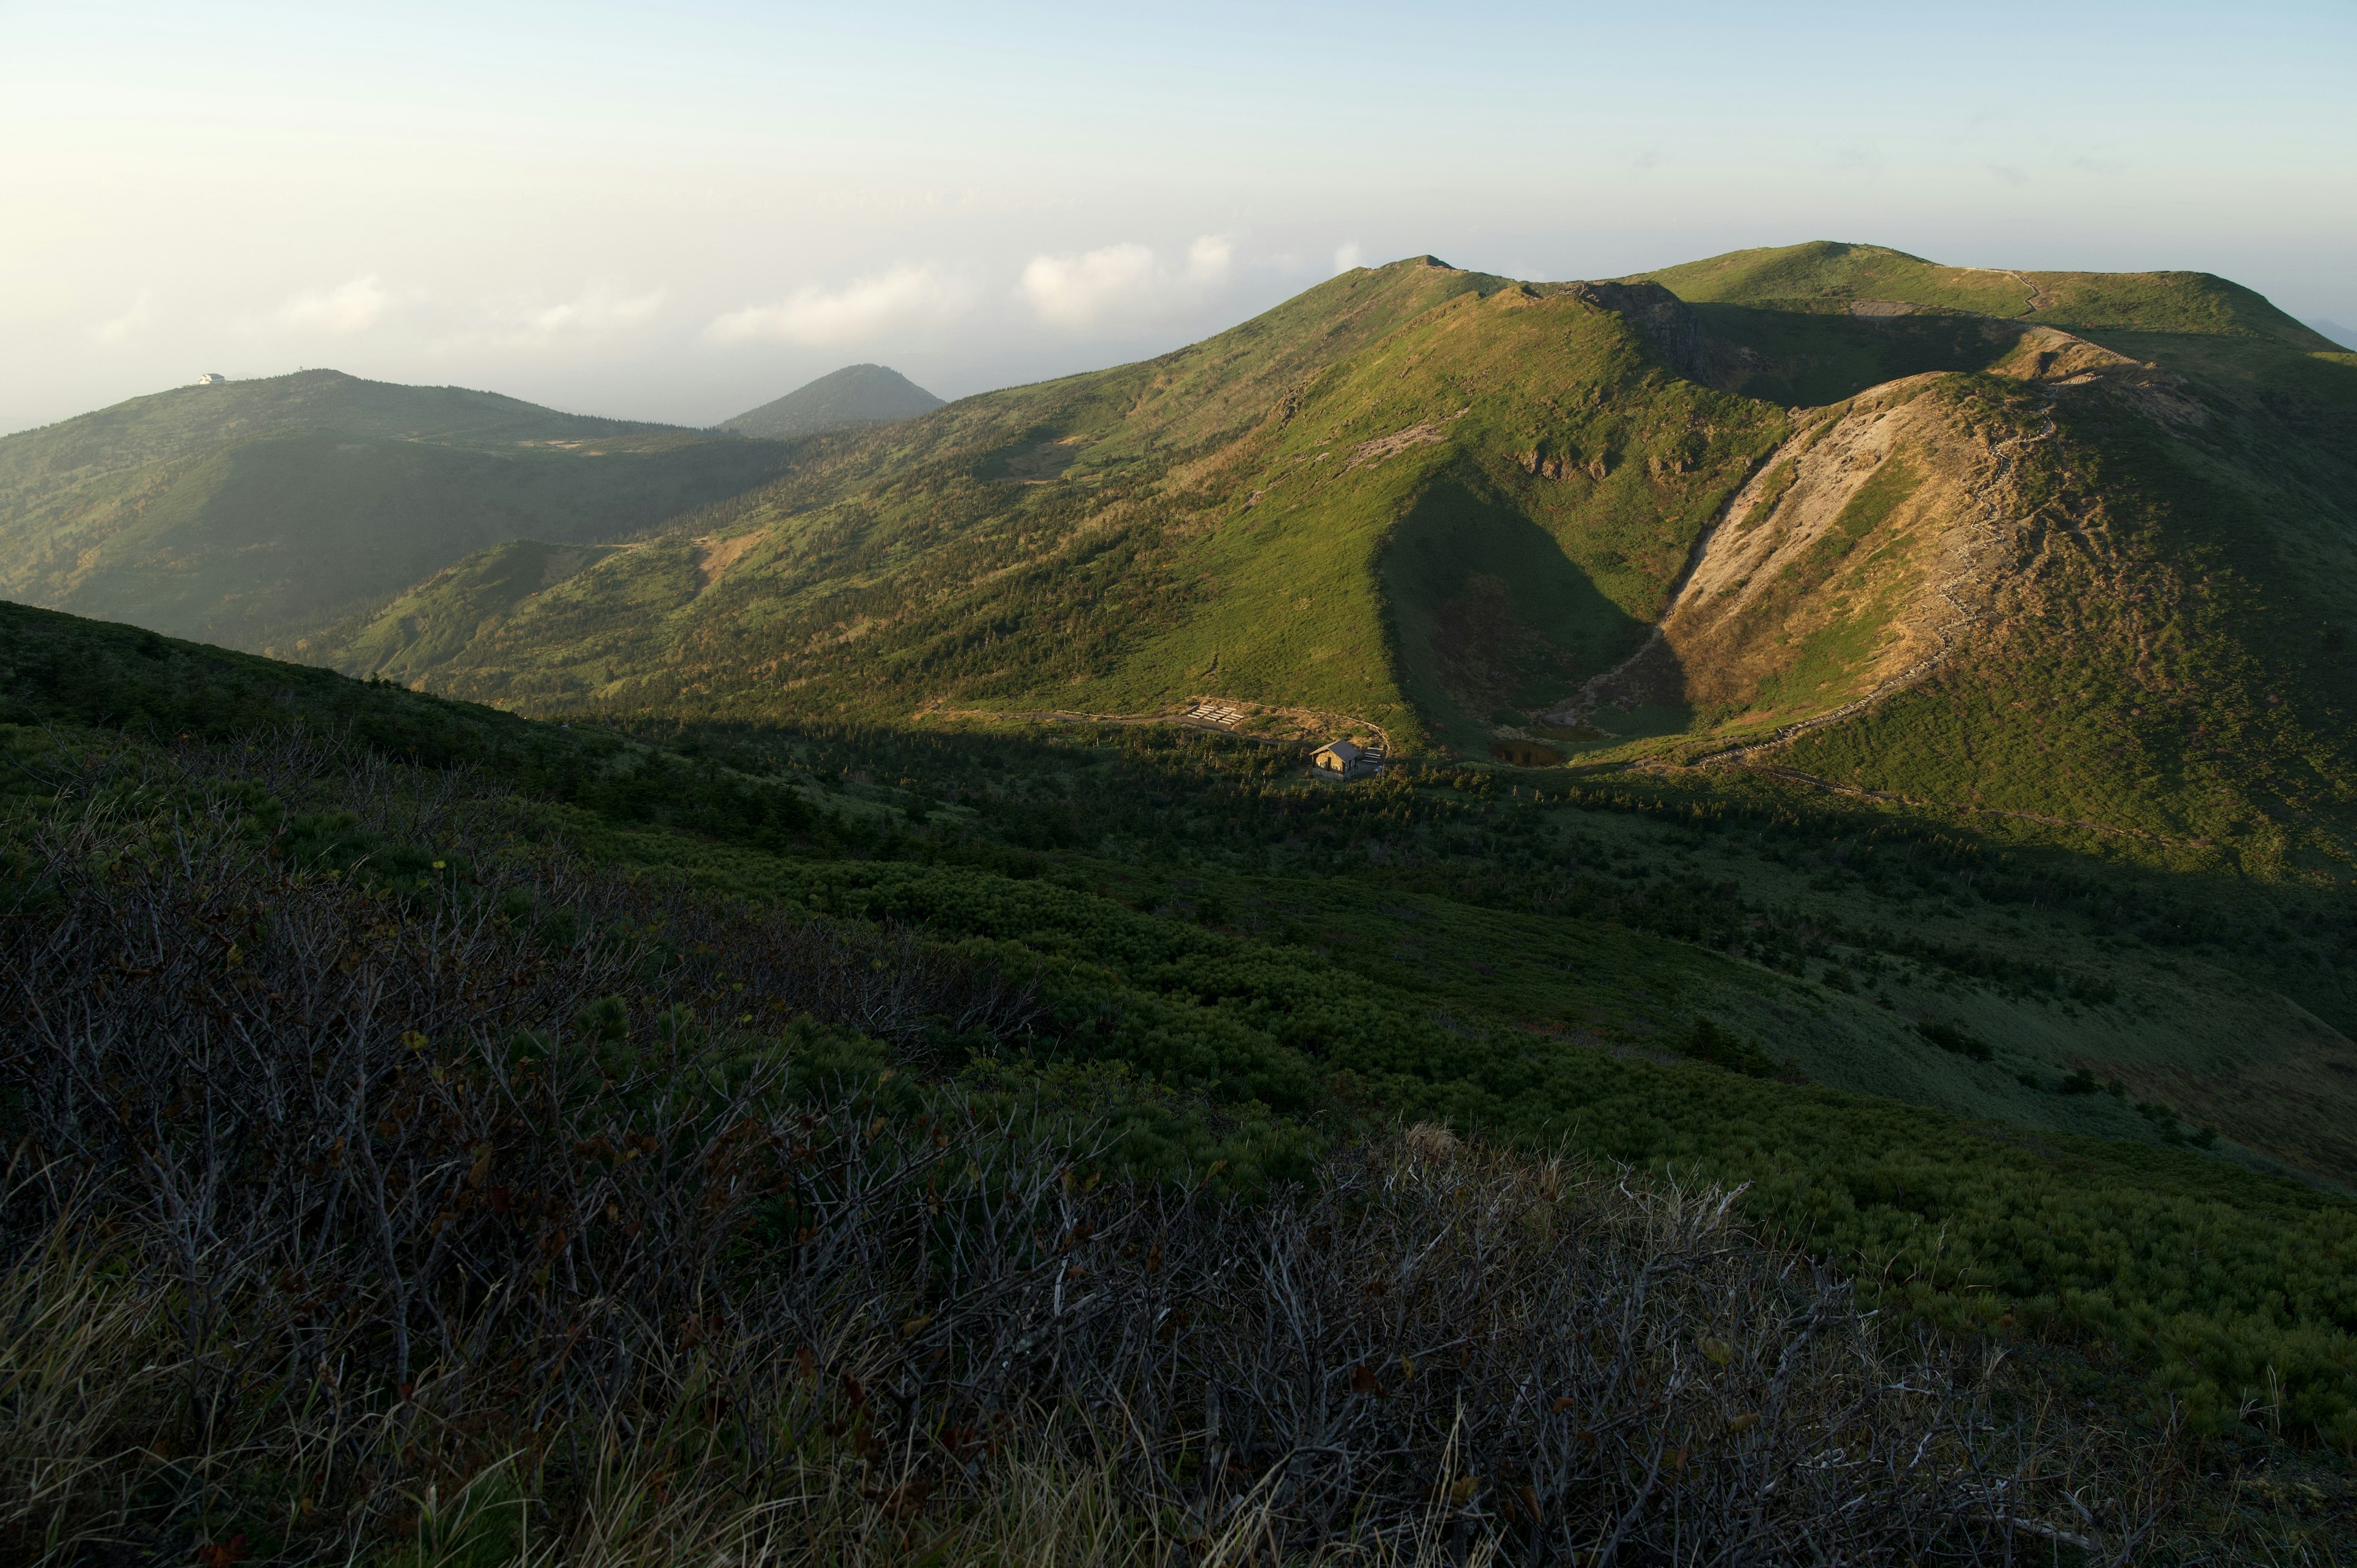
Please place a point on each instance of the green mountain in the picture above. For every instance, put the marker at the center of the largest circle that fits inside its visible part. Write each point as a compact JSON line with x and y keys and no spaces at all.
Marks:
{"x":841,"y":400}
{"x":256,"y":514}
{"x":2013,"y":1092}
{"x":1870,"y":281}
{"x":2071,"y":550}
{"x":1865,"y":847}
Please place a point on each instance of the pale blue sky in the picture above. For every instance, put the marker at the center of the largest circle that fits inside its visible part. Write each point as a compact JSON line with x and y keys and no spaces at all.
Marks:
{"x":674,"y":212}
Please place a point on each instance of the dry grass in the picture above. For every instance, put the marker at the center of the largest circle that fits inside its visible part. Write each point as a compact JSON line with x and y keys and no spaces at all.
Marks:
{"x":414,"y":1224}
{"x":1070,"y":1422}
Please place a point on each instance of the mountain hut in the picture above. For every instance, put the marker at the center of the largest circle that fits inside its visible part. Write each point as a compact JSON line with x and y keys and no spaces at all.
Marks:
{"x":1339,"y":758}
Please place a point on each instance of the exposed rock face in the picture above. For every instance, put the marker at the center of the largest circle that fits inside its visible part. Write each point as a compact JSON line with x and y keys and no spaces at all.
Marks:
{"x":1863,"y":552}
{"x":1850,"y":566}
{"x":2056,"y":359}
{"x":1558,"y":467}
{"x":1662,"y":315}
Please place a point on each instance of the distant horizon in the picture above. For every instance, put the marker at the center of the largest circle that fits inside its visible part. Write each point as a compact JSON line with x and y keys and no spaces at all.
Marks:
{"x":675,"y":217}
{"x":234,"y":378}
{"x":2345,"y":336}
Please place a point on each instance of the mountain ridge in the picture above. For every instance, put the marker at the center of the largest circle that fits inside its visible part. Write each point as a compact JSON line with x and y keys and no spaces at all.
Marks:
{"x":1450,"y":503}
{"x":1494,"y":519}
{"x":259,"y":512}
{"x":1859,"y":278}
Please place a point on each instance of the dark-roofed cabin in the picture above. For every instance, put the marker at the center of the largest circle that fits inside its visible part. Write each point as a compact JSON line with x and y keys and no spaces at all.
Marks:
{"x":1340,"y":759}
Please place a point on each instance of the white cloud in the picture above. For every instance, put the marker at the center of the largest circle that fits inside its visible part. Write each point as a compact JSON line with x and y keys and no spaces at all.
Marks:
{"x":1073,"y":291}
{"x":353,"y":308}
{"x":533,"y":323}
{"x":122,"y":328}
{"x":1346,"y":256}
{"x":1208,"y":259}
{"x":906,"y":294}
{"x":1126,"y":280}
{"x":595,"y":312}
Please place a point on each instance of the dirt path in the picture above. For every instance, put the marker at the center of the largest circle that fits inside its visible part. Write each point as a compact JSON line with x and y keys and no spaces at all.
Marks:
{"x":2041,"y":297}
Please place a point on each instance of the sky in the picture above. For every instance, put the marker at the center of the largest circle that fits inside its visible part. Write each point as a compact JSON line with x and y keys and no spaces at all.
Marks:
{"x":679,"y":211}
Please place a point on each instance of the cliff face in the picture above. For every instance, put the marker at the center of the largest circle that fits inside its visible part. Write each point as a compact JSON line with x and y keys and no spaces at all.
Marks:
{"x":1667,"y":322}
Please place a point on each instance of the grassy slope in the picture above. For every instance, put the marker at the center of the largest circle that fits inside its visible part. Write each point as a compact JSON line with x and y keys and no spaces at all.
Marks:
{"x":1811,"y":359}
{"x":1198,"y":920}
{"x":987,"y":552}
{"x":2179,"y":667}
{"x":256,"y":512}
{"x":2175,"y":663}
{"x":1213,"y":524}
{"x":433,"y":622}
{"x":1404,"y":545}
{"x":1221,"y":521}
{"x":1826,"y":276}
{"x":1216,"y":523}
{"x":195,"y":419}
{"x":1827,"y":940}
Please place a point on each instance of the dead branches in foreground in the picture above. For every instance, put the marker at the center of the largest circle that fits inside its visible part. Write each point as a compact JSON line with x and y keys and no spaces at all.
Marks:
{"x":509,"y":1219}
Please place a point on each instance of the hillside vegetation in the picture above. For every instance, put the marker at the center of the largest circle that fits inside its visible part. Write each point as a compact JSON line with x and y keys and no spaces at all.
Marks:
{"x":818,"y":1014}
{"x":1868,"y":280}
{"x":1119,"y":978}
{"x":2093,"y":579}
{"x":258,"y":513}
{"x":840,"y":400}
{"x":1221,"y":521}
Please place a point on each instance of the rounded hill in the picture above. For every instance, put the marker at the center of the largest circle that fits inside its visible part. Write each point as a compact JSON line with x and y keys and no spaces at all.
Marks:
{"x":842,"y":399}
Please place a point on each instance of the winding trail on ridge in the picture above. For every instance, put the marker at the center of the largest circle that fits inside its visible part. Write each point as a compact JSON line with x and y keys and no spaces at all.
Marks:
{"x":2041,"y":297}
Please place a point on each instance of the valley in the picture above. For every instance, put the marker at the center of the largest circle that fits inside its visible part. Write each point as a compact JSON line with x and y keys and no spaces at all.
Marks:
{"x":1458,"y":506}
{"x":1999,"y":575}
{"x":1864,"y":746}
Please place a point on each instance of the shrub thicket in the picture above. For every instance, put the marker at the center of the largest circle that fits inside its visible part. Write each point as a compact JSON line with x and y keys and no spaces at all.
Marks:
{"x":513,"y":1207}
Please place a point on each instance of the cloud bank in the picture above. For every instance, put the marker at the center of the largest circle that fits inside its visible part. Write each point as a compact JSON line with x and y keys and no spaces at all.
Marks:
{"x":909,"y":293}
{"x":594,"y":312}
{"x":597,"y":312}
{"x":127,"y":324}
{"x":337,"y":312}
{"x":1123,"y":281}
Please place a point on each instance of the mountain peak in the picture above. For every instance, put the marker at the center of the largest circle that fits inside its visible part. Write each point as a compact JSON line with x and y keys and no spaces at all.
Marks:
{"x":842,"y":399}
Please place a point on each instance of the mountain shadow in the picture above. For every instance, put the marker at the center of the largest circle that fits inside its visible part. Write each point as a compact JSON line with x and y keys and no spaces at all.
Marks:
{"x":1494,"y":621}
{"x":1811,"y":359}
